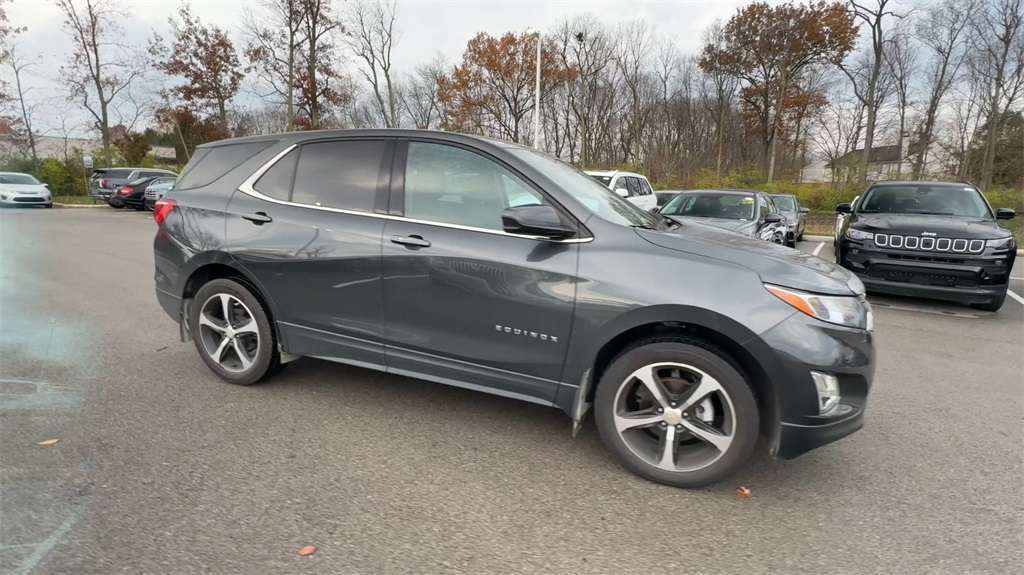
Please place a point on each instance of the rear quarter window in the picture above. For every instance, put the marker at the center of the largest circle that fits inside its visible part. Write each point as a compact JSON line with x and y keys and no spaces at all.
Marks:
{"x":117,"y":174}
{"x":210,"y":164}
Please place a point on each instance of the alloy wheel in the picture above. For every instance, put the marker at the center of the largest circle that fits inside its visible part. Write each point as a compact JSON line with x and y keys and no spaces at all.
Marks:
{"x":229,"y":333}
{"x":675,"y":417}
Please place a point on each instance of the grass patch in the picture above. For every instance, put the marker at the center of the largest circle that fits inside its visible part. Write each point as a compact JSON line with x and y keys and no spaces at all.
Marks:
{"x":75,"y":200}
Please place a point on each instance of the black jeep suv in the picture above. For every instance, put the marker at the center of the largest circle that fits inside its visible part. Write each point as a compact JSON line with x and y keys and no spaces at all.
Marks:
{"x":490,"y":266}
{"x":939,"y":240}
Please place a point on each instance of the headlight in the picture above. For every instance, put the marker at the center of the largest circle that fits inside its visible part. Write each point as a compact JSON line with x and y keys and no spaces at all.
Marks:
{"x":858,"y":235}
{"x":1000,"y":243}
{"x":850,"y":311}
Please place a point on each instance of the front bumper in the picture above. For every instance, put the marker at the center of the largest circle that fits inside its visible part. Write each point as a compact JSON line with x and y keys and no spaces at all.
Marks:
{"x":14,"y":199}
{"x":965,"y":278}
{"x":788,"y":353}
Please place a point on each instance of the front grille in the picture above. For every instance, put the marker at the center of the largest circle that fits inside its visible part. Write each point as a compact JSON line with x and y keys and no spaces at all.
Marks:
{"x":23,"y":199}
{"x":150,"y":194}
{"x":944,"y":278}
{"x":929,"y":244}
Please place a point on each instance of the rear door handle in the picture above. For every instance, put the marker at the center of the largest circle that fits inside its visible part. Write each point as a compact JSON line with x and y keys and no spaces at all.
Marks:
{"x":411,"y":241}
{"x":259,"y":218}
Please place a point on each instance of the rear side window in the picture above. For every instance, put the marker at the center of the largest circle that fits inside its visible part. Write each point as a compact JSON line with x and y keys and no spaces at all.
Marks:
{"x":117,"y":174}
{"x":634,"y":186}
{"x":645,"y":187}
{"x":208,"y":167}
{"x":343,"y":175}
{"x":277,"y":181}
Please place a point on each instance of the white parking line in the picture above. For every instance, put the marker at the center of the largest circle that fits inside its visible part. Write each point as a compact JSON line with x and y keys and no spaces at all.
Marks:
{"x":817,"y":250}
{"x":1015,"y":296}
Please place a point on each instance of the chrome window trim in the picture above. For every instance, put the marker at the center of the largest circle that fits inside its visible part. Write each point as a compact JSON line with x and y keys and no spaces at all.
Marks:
{"x":247,"y":187}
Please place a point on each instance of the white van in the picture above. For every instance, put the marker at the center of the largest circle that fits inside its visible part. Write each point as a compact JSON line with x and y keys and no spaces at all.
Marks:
{"x":633,"y":187}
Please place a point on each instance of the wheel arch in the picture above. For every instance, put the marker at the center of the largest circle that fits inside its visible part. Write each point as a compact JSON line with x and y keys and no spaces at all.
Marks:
{"x":714,"y":328}
{"x":210,"y":266}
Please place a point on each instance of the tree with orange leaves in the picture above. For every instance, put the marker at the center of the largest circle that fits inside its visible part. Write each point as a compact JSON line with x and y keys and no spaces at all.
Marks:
{"x":768,"y":48}
{"x":492,"y":91}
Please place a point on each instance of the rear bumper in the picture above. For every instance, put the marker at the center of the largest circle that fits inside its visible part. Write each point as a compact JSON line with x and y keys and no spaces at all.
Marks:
{"x":788,"y":353}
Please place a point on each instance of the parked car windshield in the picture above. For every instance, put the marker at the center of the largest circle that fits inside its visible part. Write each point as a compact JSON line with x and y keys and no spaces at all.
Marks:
{"x":925,"y":199}
{"x":711,"y":204}
{"x":785,"y":203}
{"x":19,"y":179}
{"x":597,"y":198}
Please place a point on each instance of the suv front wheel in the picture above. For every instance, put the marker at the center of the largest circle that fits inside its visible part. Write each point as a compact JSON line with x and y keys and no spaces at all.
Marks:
{"x":677,"y":411}
{"x":233,"y":333}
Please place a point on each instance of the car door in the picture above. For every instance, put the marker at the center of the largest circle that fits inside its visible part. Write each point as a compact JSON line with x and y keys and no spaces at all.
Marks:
{"x":308,"y":228}
{"x":646,"y":200}
{"x":465,"y":302}
{"x":764,"y":230}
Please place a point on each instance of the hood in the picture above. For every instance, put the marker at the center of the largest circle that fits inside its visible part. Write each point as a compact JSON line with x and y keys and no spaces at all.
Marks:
{"x":918,"y":224}
{"x":733,"y":225}
{"x":775,"y":264}
{"x":24,"y":188}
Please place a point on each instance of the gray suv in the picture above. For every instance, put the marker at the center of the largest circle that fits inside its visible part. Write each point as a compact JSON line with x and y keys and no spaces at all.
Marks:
{"x":486,"y":265}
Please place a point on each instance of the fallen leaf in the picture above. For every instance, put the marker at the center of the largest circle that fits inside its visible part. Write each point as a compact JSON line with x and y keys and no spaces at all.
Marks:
{"x":742,"y":492}
{"x":307,"y":550}
{"x":48,"y":442}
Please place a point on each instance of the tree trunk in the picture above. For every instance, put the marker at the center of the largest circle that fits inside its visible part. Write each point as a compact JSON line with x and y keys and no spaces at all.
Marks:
{"x":991,"y":140}
{"x":774,"y":147}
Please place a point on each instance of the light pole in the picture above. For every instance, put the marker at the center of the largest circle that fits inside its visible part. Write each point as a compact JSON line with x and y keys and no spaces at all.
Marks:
{"x":536,"y":104}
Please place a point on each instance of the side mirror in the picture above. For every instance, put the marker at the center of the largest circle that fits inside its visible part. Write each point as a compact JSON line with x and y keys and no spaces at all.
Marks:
{"x":47,"y":186}
{"x":622,"y":192}
{"x":772,"y":218}
{"x":804,"y":210}
{"x":844,"y":209}
{"x":535,"y":221}
{"x":1005,"y":214}
{"x":655,"y":209}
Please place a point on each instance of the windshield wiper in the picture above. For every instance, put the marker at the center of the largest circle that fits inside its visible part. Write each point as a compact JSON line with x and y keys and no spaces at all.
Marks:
{"x":867,"y":211}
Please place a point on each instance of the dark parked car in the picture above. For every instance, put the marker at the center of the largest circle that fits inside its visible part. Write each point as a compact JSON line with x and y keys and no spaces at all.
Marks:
{"x":401,"y":251}
{"x":664,"y":196}
{"x":133,"y":194}
{"x":939,"y":240}
{"x":795,"y":214}
{"x":105,"y":181}
{"x":752,"y":214}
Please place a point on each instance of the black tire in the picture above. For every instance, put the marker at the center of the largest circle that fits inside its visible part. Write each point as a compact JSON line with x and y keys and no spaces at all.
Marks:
{"x":267,"y":359}
{"x":698,"y":354}
{"x":993,"y":305}
{"x":48,"y":206}
{"x":800,"y":237}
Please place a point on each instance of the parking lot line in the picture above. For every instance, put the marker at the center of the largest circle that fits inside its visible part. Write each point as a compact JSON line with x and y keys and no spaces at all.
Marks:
{"x":817,"y":250}
{"x":1012,"y":294}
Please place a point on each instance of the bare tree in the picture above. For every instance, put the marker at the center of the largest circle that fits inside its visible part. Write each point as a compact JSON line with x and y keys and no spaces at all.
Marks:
{"x":418,"y":96}
{"x":997,"y":59}
{"x":901,"y":59}
{"x":371,"y":38}
{"x":19,"y":66}
{"x":866,"y":72}
{"x":273,"y":33}
{"x":723,"y":90}
{"x":101,"y":67}
{"x":942,"y":31}
{"x":635,"y":42}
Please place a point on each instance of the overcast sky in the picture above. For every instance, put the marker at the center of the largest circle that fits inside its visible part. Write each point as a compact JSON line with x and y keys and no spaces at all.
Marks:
{"x":426,"y":26}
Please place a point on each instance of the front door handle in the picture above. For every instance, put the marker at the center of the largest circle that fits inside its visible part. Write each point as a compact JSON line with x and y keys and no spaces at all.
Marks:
{"x":410,"y":241}
{"x":259,"y":218}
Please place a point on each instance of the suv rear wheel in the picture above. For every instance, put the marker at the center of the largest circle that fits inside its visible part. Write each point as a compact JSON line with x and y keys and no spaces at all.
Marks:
{"x":677,"y":411}
{"x":233,"y":333}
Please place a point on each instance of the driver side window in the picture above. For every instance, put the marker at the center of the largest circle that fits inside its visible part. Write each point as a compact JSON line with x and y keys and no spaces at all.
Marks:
{"x":450,"y":185}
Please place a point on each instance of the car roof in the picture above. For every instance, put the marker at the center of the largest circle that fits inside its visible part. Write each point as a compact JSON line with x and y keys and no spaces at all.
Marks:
{"x":15,"y":174}
{"x":723,"y":191}
{"x":782,"y":195}
{"x":938,"y":184}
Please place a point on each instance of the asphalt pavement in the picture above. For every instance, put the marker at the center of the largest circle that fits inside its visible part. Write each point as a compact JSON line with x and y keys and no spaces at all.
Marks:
{"x":161,"y":468}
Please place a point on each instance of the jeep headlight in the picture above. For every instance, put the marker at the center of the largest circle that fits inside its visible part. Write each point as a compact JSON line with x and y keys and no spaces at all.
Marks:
{"x":850,"y":311}
{"x":858,"y":234}
{"x":1000,"y":243}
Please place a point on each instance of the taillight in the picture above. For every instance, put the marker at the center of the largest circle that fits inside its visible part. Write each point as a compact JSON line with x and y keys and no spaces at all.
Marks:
{"x":163,"y":208}
{"x":103,"y":183}
{"x":125,"y":191}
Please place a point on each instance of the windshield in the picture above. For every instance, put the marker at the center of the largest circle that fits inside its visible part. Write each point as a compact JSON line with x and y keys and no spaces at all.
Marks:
{"x":604,"y":180}
{"x":711,"y":205}
{"x":785,"y":203}
{"x":925,"y":199}
{"x":597,"y":198}
{"x":18,"y":179}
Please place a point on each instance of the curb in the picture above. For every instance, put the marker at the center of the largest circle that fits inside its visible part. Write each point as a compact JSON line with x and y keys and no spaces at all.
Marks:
{"x":828,"y":240}
{"x":79,"y":206}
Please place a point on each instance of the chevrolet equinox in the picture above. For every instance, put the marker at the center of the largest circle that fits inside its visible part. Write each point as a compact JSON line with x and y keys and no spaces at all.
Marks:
{"x":490,"y":266}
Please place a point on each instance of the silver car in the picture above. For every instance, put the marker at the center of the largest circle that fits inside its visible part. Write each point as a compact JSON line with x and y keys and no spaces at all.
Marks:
{"x":17,"y":189}
{"x":157,"y":189}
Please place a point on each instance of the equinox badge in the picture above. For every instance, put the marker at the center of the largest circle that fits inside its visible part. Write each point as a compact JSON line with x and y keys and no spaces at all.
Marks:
{"x":525,"y":333}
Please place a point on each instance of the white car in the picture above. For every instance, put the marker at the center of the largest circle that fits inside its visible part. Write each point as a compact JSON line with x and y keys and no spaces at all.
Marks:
{"x":633,"y":187}
{"x":17,"y":189}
